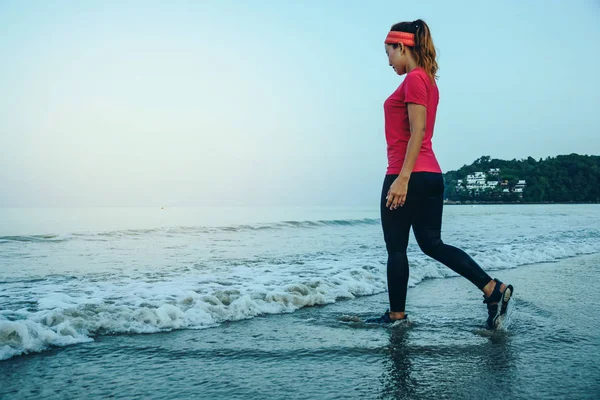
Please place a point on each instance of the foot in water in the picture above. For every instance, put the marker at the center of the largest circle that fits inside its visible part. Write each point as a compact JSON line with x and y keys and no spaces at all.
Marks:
{"x":386,"y":318}
{"x":497,"y":302}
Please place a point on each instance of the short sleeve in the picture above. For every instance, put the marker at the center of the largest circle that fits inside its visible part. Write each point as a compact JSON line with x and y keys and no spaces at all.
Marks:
{"x":415,"y":89}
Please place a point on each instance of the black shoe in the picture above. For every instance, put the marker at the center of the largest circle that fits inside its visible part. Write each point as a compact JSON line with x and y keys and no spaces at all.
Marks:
{"x":385,"y":319}
{"x":497,"y":304}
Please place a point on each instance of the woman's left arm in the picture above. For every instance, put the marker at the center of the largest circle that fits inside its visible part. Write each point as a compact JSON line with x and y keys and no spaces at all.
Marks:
{"x":417,"y":116}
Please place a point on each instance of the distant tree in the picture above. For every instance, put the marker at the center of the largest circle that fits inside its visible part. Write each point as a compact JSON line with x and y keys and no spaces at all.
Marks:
{"x":565,"y":178}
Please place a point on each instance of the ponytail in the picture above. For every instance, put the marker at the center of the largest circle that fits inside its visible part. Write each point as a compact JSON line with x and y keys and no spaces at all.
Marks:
{"x":423,"y":50}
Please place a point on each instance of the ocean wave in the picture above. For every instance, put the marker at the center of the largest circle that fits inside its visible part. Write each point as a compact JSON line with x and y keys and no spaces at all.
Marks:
{"x":62,"y":319}
{"x":209,"y":289}
{"x":49,"y":238}
{"x":186,"y":230}
{"x":197,"y":302}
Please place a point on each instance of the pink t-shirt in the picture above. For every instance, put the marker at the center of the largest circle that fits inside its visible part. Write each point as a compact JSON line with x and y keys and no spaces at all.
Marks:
{"x":416,"y":88}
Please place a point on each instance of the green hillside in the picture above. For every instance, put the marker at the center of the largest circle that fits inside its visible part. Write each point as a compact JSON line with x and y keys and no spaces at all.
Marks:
{"x":566,"y":178}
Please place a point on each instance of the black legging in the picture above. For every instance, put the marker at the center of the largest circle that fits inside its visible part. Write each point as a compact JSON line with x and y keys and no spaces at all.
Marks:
{"x":423,"y":211}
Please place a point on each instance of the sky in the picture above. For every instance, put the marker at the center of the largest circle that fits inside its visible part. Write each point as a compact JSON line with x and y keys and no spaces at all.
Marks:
{"x":273,"y":103}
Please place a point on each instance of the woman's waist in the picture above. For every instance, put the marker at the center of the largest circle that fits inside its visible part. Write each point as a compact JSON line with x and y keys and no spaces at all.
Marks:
{"x":397,"y":156}
{"x":402,"y":143}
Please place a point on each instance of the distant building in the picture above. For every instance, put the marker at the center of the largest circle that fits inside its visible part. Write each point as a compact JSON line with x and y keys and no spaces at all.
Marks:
{"x":520,"y":186}
{"x":477,"y":183}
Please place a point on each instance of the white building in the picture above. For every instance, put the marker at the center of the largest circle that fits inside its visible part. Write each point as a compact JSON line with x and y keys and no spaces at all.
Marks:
{"x":477,"y":182}
{"x":476,"y":179}
{"x":520,"y":186}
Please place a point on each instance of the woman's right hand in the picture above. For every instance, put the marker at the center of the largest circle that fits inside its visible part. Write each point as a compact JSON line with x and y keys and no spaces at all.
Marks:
{"x":397,"y":194}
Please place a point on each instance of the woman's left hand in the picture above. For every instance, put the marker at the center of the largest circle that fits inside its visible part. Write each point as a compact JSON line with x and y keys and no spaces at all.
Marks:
{"x":397,"y":194}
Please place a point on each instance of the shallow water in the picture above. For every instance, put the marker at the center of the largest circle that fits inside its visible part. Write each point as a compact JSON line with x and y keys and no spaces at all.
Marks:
{"x":268,"y":309}
{"x":548,"y":348}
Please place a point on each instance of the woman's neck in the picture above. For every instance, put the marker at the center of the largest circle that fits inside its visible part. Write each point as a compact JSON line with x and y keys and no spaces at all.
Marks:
{"x":412,"y":64}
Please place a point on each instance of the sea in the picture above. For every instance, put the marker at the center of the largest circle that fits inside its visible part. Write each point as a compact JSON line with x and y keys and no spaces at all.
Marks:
{"x":268,"y":302}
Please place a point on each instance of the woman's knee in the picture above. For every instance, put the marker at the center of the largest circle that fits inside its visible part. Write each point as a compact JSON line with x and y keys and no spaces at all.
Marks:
{"x":397,"y":246}
{"x":430,"y":246}
{"x":398,"y":258}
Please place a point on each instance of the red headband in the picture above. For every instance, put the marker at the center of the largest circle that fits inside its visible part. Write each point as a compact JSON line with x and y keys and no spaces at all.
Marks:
{"x":400,"y":37}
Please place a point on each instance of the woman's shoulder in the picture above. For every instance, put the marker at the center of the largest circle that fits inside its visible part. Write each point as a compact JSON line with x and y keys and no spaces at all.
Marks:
{"x":419,"y":77}
{"x":418,"y":73}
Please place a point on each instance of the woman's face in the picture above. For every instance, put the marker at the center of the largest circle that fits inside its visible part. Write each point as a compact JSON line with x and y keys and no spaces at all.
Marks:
{"x":397,"y":57}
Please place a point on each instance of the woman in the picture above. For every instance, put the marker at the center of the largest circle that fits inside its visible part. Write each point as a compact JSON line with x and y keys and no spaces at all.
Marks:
{"x":413,"y":188}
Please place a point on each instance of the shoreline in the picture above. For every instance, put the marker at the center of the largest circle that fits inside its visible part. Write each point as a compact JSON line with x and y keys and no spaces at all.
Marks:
{"x":464,"y":203}
{"x":321,"y":351}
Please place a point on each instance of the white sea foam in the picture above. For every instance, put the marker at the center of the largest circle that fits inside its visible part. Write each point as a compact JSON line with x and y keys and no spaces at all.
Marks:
{"x":153,"y":280}
{"x":139,"y":307}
